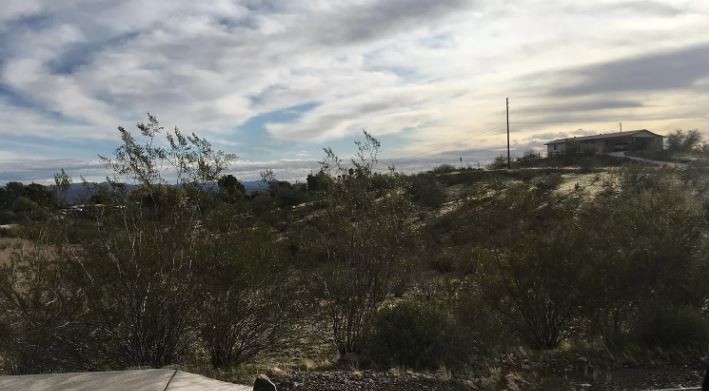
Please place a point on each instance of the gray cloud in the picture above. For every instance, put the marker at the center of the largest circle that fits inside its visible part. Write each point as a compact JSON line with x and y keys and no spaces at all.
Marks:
{"x":675,"y":69}
{"x":373,"y":20}
{"x":43,"y":170}
{"x":586,"y":105}
{"x":633,"y":7}
{"x":556,"y":135}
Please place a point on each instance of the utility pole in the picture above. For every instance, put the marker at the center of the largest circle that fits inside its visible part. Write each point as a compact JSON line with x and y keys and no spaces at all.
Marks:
{"x":509,"y":162}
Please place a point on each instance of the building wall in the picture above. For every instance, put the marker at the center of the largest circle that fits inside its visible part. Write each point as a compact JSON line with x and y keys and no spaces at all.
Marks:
{"x":555,"y":149}
{"x":640,"y":142}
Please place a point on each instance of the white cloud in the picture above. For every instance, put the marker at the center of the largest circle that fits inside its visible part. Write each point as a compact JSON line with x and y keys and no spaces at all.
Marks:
{"x":435,"y":73}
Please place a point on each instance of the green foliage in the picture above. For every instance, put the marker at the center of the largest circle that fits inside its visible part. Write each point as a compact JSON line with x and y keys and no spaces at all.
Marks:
{"x":530,"y":157}
{"x":25,"y":203}
{"x":319,"y":182}
{"x":37,"y":308}
{"x":7,"y":232}
{"x":62,"y":183}
{"x":148,"y":278}
{"x":7,"y":217}
{"x":187,"y":273}
{"x":500,"y":162}
{"x":684,"y":142}
{"x":664,"y":326}
{"x":364,"y":235}
{"x":549,"y":182}
{"x":534,"y":286}
{"x":249,"y":303}
{"x":443,"y":169}
{"x":141,"y":293}
{"x":286,"y":194}
{"x":230,"y":189}
{"x":192,"y":157}
{"x":646,"y":234}
{"x":413,"y":335}
{"x":482,"y":331}
{"x":546,"y":262}
{"x":427,"y":191}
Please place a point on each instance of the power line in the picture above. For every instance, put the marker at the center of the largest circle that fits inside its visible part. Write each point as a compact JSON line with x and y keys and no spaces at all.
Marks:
{"x":448,"y":146}
{"x":489,"y":130}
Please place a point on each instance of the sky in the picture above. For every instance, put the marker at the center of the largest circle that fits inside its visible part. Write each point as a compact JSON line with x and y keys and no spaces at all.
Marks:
{"x":276,"y":81}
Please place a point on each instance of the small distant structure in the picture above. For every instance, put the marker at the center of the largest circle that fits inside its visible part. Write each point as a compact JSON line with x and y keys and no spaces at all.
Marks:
{"x":641,"y":140}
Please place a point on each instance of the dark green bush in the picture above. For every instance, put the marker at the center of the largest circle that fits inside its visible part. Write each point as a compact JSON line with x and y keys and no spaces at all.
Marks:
{"x":7,"y":217}
{"x":427,"y":191}
{"x":662,"y":326}
{"x":548,"y":182}
{"x":483,"y":331}
{"x":500,"y":162}
{"x":7,"y":233}
{"x":444,"y":169}
{"x":412,"y":335}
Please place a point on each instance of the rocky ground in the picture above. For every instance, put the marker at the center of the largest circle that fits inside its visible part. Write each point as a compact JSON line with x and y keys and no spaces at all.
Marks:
{"x":613,"y":380}
{"x":367,"y":380}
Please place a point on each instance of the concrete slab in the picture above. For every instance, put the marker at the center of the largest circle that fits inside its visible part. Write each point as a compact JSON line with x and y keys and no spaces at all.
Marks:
{"x":185,"y":381}
{"x":135,"y":380}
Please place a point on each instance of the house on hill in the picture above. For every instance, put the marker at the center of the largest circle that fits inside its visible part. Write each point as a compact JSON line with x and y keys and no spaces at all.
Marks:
{"x":634,"y":140}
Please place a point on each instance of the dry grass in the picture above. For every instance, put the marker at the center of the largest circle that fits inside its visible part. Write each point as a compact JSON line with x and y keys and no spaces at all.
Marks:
{"x":9,"y":245}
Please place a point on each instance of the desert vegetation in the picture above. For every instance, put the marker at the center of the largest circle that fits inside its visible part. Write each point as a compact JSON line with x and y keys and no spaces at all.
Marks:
{"x":452,"y":268}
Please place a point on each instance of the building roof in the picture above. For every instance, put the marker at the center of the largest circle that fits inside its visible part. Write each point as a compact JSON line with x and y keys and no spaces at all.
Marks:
{"x":629,"y":133}
{"x":134,"y":380}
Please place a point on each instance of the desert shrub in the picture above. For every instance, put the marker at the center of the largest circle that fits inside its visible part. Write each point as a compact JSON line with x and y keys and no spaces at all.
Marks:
{"x":427,"y":191}
{"x":161,"y":277}
{"x":529,"y":158}
{"x":536,"y":289}
{"x":262,"y":203}
{"x":140,"y":284}
{"x":364,"y":237}
{"x":7,"y":232}
{"x":482,"y":331}
{"x":533,"y":281}
{"x":142,"y":265}
{"x":28,"y":209}
{"x":443,"y":169}
{"x":498,"y":163}
{"x":668,"y":327}
{"x":683,"y":142}
{"x":7,"y":217}
{"x":40,"y":312}
{"x":548,"y":182}
{"x":230,"y":189}
{"x":412,"y":335}
{"x":441,"y":262}
{"x":646,"y":236}
{"x":247,"y":305}
{"x":286,"y":194}
{"x":318,"y":182}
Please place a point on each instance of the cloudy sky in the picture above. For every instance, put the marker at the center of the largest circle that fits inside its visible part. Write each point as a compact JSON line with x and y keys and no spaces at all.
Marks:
{"x":275,"y":81}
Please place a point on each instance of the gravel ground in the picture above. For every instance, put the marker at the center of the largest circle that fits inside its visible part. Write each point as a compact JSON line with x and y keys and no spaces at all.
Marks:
{"x":615,"y":380}
{"x":366,"y":381}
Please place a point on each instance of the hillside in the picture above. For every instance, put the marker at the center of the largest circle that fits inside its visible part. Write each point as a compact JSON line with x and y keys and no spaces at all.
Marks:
{"x":555,"y":274}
